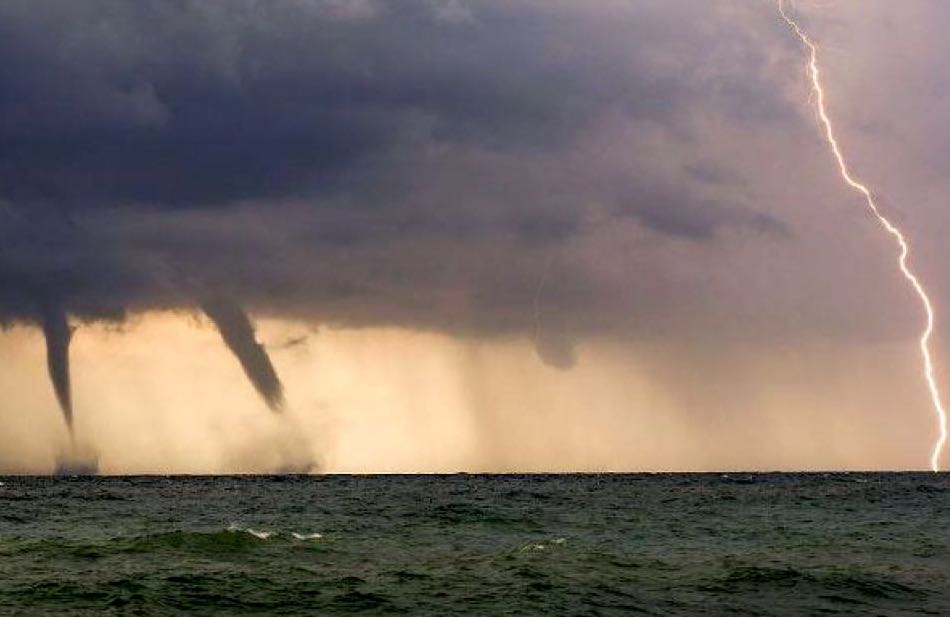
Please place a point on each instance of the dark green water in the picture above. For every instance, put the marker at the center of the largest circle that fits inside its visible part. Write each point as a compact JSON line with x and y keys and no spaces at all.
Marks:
{"x":481,"y":545}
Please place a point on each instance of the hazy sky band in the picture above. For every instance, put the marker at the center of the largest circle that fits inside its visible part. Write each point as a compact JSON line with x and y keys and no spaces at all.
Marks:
{"x":311,"y":158}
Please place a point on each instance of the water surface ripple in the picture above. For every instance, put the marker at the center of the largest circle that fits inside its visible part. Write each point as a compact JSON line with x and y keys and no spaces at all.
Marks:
{"x":663,"y":544}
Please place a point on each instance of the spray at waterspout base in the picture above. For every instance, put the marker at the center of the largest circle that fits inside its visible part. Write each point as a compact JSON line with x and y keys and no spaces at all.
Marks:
{"x":77,"y":459}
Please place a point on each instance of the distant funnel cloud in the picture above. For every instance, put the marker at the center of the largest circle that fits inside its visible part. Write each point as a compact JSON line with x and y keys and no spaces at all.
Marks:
{"x":556,"y":351}
{"x":238,"y":334}
{"x":58,"y":334}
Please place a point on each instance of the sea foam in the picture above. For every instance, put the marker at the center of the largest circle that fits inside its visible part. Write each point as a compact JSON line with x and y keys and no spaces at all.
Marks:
{"x":307,"y":536}
{"x":262,"y":535}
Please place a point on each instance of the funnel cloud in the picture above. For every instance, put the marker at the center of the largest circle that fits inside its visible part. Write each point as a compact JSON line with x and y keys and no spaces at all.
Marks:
{"x":237,"y":332}
{"x":57,"y":332}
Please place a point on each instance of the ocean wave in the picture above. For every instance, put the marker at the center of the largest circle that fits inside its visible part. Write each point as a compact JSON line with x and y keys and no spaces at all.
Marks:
{"x":845,"y":586}
{"x":202,"y":543}
{"x":233,"y":539}
{"x":215,"y":543}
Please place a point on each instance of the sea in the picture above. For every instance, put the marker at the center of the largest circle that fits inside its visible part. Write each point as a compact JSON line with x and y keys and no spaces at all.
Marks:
{"x":614,"y":544}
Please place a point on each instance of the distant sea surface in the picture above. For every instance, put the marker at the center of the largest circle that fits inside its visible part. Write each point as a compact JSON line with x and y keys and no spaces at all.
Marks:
{"x":667,"y":544}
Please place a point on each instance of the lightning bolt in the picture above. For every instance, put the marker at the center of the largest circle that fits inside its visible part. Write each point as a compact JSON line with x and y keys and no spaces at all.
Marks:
{"x":819,"y":95}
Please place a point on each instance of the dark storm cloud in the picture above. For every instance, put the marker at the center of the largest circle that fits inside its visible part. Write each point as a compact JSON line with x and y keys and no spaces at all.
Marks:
{"x":194,"y":103}
{"x":367,"y":162}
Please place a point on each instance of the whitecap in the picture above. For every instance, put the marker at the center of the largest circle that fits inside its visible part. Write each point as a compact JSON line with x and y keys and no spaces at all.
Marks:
{"x":546,"y":544}
{"x":307,"y":536}
{"x":261,"y":535}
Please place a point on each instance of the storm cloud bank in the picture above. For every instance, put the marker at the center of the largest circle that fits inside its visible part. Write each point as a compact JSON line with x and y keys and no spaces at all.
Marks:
{"x":364,"y":163}
{"x":421,"y":165}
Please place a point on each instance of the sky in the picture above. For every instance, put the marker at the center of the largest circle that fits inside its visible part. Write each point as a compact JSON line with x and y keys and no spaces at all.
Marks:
{"x":443,"y":235}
